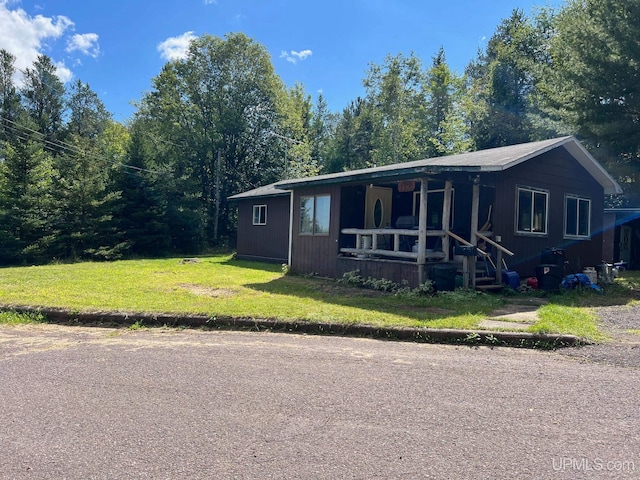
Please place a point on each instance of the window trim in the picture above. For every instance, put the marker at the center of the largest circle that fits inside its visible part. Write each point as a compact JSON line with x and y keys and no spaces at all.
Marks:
{"x":579,"y":199}
{"x":314,"y":220}
{"x":533,"y":191}
{"x":259,"y":208}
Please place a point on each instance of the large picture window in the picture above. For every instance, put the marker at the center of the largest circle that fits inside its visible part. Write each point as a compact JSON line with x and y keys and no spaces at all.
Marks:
{"x":577,"y":217}
{"x":532,"y":211}
{"x":259,"y":214}
{"x":315,"y":213}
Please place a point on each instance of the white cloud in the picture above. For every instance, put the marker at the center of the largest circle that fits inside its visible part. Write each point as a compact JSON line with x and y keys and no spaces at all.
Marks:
{"x":175,"y":48}
{"x":26,"y":37}
{"x":210,"y":2}
{"x":294,"y":56}
{"x":86,"y":43}
{"x":64,"y":74}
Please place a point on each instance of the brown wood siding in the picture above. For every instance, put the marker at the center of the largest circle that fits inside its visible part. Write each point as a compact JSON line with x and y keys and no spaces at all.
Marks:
{"x":559,"y":174}
{"x":395,"y":271}
{"x":316,"y":254}
{"x":268,"y":242}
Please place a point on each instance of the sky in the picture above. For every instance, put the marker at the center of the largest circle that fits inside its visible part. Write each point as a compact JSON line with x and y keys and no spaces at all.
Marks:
{"x":119,"y":46}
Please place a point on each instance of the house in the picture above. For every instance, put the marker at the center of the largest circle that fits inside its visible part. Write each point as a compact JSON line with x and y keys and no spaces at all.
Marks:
{"x":401,"y":221}
{"x":263,"y":224}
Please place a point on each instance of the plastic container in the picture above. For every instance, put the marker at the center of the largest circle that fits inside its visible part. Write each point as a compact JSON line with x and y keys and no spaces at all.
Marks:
{"x":444,"y":276}
{"x":591,"y":273}
{"x":549,"y":277}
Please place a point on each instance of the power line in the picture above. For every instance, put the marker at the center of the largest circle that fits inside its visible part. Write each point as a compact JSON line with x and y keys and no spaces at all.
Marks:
{"x":70,"y":148}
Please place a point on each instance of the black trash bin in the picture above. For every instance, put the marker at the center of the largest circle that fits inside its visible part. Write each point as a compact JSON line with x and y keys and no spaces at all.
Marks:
{"x":553,"y":256}
{"x":549,"y":277}
{"x":444,"y":276}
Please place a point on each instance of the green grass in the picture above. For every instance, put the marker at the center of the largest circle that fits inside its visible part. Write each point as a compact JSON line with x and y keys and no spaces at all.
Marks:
{"x":221,"y":286}
{"x":577,"y":321}
{"x":14,"y":318}
{"x":572,"y":311}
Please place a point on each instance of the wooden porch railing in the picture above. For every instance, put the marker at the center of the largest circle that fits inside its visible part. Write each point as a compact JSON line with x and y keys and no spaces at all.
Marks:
{"x":499,"y":259}
{"x":371,"y":241}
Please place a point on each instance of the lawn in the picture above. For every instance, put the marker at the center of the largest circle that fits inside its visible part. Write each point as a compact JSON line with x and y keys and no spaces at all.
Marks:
{"x":220,"y":286}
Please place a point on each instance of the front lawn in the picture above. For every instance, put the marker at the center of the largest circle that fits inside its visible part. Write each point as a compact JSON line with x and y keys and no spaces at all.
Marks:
{"x":220,"y":286}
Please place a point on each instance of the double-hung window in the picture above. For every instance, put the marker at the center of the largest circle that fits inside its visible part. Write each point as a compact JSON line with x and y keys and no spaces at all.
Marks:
{"x":259,"y":214}
{"x":577,"y":215}
{"x":532,"y":211}
{"x":315,"y":213}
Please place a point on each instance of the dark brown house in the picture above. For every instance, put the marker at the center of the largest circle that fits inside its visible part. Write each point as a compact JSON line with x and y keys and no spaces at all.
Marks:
{"x":263,"y":224}
{"x":399,"y":221}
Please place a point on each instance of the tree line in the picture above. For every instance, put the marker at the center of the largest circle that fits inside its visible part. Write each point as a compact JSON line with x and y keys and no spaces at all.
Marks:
{"x":74,"y":184}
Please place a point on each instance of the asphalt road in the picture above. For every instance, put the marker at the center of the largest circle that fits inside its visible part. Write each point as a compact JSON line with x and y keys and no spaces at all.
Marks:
{"x":91,"y":403}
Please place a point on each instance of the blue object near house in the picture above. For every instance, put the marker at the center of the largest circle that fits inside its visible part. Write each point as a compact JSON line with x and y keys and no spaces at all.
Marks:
{"x":576,"y":279}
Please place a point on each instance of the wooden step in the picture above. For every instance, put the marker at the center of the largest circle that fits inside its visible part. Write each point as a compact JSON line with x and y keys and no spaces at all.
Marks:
{"x":489,"y":287}
{"x":485,"y":280}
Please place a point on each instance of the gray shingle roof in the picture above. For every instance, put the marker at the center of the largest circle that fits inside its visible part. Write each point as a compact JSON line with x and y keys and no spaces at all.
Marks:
{"x":265,"y":191}
{"x":491,"y":160}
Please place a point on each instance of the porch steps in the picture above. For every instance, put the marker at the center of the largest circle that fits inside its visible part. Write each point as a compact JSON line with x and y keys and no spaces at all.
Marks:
{"x":487,"y":284}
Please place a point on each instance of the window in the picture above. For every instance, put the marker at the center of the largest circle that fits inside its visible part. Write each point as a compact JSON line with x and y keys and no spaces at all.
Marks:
{"x":532,"y":211}
{"x":259,"y":214}
{"x":577,"y":214}
{"x":315,"y":212}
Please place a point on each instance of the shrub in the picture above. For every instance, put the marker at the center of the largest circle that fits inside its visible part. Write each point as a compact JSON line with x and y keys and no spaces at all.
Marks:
{"x":354,"y":279}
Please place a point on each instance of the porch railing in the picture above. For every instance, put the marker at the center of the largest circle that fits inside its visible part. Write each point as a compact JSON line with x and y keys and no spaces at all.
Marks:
{"x":386,"y":242}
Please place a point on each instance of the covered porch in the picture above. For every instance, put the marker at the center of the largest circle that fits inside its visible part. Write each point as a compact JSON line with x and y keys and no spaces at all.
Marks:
{"x":392,"y":239}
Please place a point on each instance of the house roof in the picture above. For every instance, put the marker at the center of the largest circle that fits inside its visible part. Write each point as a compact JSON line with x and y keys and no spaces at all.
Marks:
{"x":265,"y":191}
{"x":481,"y":161}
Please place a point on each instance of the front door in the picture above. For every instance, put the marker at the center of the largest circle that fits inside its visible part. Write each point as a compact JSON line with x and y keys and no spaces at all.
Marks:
{"x":378,"y":207}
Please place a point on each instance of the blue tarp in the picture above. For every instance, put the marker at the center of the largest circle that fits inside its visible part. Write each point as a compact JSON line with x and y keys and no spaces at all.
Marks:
{"x":575,"y":279}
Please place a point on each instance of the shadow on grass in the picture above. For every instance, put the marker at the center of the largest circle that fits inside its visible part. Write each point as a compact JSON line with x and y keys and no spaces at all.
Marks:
{"x":252,"y":265}
{"x":421,"y":308}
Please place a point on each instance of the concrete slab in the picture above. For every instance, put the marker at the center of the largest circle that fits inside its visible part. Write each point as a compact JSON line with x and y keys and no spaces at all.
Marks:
{"x":496,"y":324}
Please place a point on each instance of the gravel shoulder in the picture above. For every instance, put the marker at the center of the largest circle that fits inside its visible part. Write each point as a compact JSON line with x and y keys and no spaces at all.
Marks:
{"x":623,"y":347}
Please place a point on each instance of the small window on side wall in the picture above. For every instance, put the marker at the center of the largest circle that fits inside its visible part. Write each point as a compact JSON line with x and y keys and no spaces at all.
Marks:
{"x":532,"y":211}
{"x":315,"y":214}
{"x":577,"y":217}
{"x":259,"y":214}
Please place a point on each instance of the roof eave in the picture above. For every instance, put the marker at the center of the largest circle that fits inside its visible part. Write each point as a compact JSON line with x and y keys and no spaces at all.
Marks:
{"x":390,"y":175}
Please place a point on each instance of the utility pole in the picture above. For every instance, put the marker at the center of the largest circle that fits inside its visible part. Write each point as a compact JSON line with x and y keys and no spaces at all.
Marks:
{"x":217,"y":213}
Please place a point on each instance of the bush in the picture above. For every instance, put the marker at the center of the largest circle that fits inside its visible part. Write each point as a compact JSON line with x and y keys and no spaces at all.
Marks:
{"x":354,"y":279}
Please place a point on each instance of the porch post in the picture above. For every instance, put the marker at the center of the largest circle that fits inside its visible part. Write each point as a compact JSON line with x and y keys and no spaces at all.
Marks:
{"x":446,"y":218}
{"x":475,"y":208}
{"x":422,"y":229}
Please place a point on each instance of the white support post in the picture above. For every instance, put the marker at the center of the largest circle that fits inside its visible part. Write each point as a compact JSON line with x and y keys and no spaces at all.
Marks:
{"x":422,"y":228}
{"x":446,"y":218}
{"x":475,"y":209}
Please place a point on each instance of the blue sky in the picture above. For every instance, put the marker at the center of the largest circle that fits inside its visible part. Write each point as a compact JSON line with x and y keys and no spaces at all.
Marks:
{"x":117,"y":47}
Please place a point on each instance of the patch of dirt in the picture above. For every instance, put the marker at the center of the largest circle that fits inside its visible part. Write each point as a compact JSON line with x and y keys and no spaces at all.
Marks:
{"x":207,"y":291}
